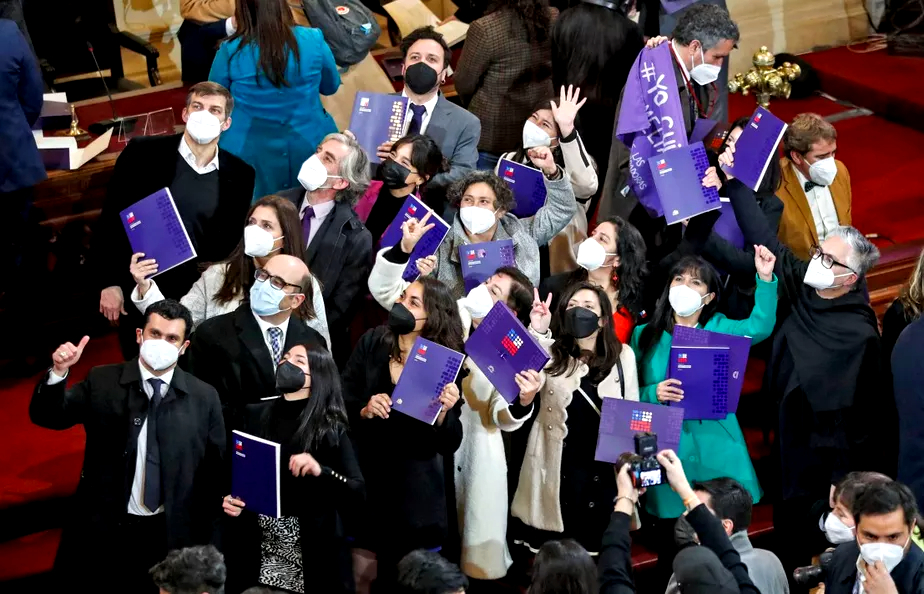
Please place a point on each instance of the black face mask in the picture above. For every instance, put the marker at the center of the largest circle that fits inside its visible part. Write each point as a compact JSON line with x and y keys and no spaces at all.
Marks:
{"x":289,"y":378}
{"x":420,"y":78}
{"x":394,"y":175}
{"x":580,"y":322}
{"x":684,"y":535}
{"x":401,"y":320}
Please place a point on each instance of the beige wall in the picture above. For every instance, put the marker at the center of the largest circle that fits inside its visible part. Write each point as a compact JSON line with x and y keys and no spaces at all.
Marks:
{"x":794,"y":26}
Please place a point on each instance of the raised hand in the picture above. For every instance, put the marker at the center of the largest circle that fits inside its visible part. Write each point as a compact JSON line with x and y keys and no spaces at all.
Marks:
{"x":233,"y":507}
{"x":764,"y":260}
{"x":141,"y":270}
{"x":655,"y":41}
{"x":540,"y":316}
{"x":412,"y":230}
{"x":383,"y":151}
{"x":712,"y":179}
{"x":449,"y":396}
{"x":303,"y":465}
{"x":673,"y":471}
{"x":426,"y":265}
{"x":67,"y":355}
{"x":528,"y":381}
{"x":541,"y":156}
{"x":112,"y":303}
{"x":378,"y":406}
{"x":727,"y":159}
{"x":566,"y":109}
{"x":669,"y":391}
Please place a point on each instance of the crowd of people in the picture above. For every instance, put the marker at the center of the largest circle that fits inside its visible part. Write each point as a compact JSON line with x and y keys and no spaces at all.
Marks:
{"x":296,"y":328}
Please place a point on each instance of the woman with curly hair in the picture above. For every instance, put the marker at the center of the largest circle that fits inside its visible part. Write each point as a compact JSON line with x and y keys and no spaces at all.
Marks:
{"x":505,"y":69}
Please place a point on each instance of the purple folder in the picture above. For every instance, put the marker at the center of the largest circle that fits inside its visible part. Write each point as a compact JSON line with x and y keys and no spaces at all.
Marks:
{"x":527,"y":184}
{"x":154,"y":227}
{"x":414,"y":208}
{"x":501,"y":347}
{"x":755,"y":148}
{"x":704,"y":373}
{"x":427,"y":371}
{"x":727,"y":225}
{"x":255,"y":474}
{"x":620,"y":420}
{"x":739,"y":348}
{"x":481,"y":260}
{"x":377,"y":118}
{"x":678,"y":177}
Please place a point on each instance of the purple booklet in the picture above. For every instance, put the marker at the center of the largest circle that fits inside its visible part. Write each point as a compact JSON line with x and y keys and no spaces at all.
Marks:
{"x":678,"y":177}
{"x":255,"y":474}
{"x":738,"y":349}
{"x":727,"y":225}
{"x":414,"y":208}
{"x":704,"y":373}
{"x":672,"y":6}
{"x":154,"y":227}
{"x":620,"y":420}
{"x":481,"y":260}
{"x":527,"y":184}
{"x":377,"y":118}
{"x":756,"y":146}
{"x":427,"y":371}
{"x":501,"y":347}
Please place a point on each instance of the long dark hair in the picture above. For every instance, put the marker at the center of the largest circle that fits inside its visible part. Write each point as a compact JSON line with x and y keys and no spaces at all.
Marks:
{"x":566,"y":354}
{"x":520,"y":300}
{"x":239,"y":275}
{"x":630,"y":275}
{"x":534,"y":15}
{"x":443,"y":325}
{"x":663,"y":319}
{"x":593,"y":48}
{"x":774,"y":176}
{"x":563,"y":567}
{"x":270,"y":27}
{"x":426,"y":156}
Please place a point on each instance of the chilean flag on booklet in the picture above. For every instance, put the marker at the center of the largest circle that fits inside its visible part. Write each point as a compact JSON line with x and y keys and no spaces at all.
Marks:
{"x":501,"y":348}
{"x":255,"y":474}
{"x":481,"y":260}
{"x":414,"y":208}
{"x":154,"y":227}
{"x":377,"y":118}
{"x":428,"y":369}
{"x":755,"y":148}
{"x":678,"y":178}
{"x":738,"y":349}
{"x":527,"y":184}
{"x":621,"y":419}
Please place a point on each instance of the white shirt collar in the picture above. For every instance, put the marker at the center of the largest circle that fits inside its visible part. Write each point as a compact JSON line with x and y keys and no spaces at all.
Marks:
{"x":679,"y":60}
{"x":429,"y":105}
{"x":146,"y":375}
{"x":264,"y":325}
{"x":320,"y":210}
{"x":799,"y":175}
{"x":190,"y":158}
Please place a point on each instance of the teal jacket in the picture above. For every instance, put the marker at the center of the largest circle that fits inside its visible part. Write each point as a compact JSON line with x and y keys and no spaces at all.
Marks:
{"x":708,"y":449}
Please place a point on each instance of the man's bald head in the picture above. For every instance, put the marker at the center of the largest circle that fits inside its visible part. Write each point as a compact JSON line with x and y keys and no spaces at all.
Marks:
{"x":295,"y":273}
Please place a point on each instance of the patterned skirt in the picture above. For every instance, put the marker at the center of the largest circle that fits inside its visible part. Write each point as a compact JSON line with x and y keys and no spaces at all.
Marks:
{"x":281,"y":554}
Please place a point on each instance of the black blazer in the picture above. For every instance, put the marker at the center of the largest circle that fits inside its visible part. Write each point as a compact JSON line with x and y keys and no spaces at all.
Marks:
{"x":324,"y":504}
{"x":147,"y":165}
{"x":109,"y":403}
{"x":842,"y":573}
{"x":229,"y":352}
{"x":340,"y":257}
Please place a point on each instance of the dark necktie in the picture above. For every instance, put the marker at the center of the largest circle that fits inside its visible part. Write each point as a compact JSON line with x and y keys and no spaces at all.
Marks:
{"x":153,"y":495}
{"x":416,"y":119}
{"x":809,"y":185}
{"x":306,"y":224}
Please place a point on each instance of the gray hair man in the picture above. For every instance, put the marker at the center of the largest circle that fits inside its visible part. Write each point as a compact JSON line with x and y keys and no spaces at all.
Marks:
{"x":193,"y":570}
{"x":338,"y":246}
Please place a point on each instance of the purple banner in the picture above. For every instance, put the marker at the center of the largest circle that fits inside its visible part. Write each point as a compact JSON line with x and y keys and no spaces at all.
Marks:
{"x":672,"y":6}
{"x":650,"y":121}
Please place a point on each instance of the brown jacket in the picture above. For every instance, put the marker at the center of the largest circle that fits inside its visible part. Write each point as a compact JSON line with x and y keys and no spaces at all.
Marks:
{"x":501,"y":77}
{"x":209,"y":11}
{"x":797,"y":226}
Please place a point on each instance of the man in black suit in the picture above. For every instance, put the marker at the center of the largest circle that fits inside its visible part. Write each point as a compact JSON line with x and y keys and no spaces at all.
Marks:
{"x":212,"y":190}
{"x":153,"y":462}
{"x":339,"y":247}
{"x":238,"y":352}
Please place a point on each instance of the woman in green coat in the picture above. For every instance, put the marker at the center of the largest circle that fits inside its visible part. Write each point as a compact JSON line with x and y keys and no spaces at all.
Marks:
{"x":708,"y":449}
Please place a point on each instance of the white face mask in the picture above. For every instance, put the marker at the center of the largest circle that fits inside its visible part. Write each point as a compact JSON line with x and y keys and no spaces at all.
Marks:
{"x":685,"y":300}
{"x":534,"y":136}
{"x":823,"y":171}
{"x":704,"y":74}
{"x":159,"y":354}
{"x":476,"y":219}
{"x":836,"y":531}
{"x":591,"y":255}
{"x":313,"y":174}
{"x":890,"y":554}
{"x":258,"y":242}
{"x":203,"y":127}
{"x":819,"y":277}
{"x":479,"y":301}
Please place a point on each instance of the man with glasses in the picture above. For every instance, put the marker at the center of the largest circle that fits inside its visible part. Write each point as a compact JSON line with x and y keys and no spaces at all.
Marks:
{"x":835,"y":416}
{"x":237,"y":352}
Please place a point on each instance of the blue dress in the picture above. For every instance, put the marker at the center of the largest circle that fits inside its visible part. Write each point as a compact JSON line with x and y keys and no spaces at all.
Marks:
{"x":275,"y":129}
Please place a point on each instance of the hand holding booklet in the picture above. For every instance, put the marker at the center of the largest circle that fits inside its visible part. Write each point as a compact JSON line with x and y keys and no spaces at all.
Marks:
{"x":528,"y":187}
{"x":481,"y":260}
{"x":678,"y":178}
{"x":621,"y":420}
{"x":756,"y":147}
{"x":414,"y":208}
{"x":738,"y":349}
{"x":255,"y":474}
{"x":428,"y":369}
{"x":377,"y":118}
{"x":154,"y":228}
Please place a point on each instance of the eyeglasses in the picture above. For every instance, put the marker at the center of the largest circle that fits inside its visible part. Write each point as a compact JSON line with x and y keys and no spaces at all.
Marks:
{"x":276,"y":281}
{"x":827,"y":260}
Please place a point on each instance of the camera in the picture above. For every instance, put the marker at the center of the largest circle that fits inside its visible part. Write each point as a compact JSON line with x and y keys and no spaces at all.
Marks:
{"x":813,"y":574}
{"x":646,"y":470}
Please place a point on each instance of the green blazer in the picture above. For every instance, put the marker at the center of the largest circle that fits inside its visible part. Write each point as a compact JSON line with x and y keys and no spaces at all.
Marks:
{"x":708,"y":449}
